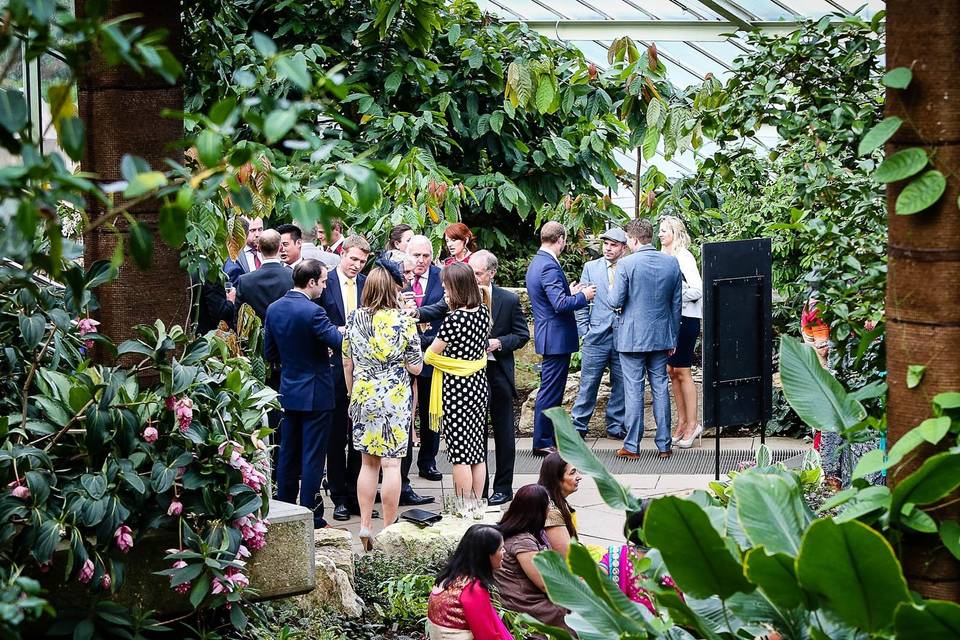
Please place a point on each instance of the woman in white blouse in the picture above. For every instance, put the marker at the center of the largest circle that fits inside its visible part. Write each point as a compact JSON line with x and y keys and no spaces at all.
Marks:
{"x":674,"y":241}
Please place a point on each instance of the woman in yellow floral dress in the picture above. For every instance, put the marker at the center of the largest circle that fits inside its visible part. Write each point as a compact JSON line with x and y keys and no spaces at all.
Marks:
{"x":380,"y":350}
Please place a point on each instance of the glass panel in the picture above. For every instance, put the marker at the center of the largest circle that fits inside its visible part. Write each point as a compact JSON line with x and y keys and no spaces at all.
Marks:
{"x":577,"y":11}
{"x":13,"y":80}
{"x":529,"y":10}
{"x":691,"y":58}
{"x":53,"y":72}
{"x":769,"y":11}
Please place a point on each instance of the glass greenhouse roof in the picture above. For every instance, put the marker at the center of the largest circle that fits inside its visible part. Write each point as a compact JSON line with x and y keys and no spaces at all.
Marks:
{"x":692,"y":38}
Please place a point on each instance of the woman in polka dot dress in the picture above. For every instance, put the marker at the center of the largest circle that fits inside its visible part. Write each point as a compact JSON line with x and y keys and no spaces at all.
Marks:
{"x":463,"y":336}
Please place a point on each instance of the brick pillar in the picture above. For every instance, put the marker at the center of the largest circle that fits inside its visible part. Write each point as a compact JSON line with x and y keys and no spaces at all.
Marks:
{"x":121,"y":111}
{"x":923,"y":295}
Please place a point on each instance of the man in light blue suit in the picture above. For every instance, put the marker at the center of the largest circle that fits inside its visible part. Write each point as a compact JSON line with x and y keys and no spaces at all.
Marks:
{"x":595,"y":326}
{"x":553,"y":303}
{"x":648,"y":295}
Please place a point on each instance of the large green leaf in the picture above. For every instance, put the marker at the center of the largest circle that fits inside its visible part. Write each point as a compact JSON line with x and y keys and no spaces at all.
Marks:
{"x":576,"y":452}
{"x":898,"y":78}
{"x":935,"y":619}
{"x":901,"y":165}
{"x":921,"y":193}
{"x":771,"y":511}
{"x":950,"y":536}
{"x":776,"y":575}
{"x":582,"y":565}
{"x":697,"y":557}
{"x":936,"y":478}
{"x":880,"y":133}
{"x":853,"y":568}
{"x":13,"y":110}
{"x":569,"y":591}
{"x":816,"y":396}
{"x":278,"y":123}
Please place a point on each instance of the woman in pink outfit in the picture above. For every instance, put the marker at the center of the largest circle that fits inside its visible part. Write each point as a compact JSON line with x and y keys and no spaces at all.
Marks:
{"x":460,"y":243}
{"x":459,"y":607}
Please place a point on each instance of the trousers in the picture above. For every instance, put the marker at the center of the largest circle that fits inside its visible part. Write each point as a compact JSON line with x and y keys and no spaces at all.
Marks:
{"x":553,"y":380}
{"x":638,"y":366}
{"x":504,"y":435}
{"x":302,"y":455}
{"x":595,"y":358}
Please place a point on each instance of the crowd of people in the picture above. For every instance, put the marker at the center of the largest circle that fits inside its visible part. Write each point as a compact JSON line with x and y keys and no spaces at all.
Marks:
{"x":370,"y":363}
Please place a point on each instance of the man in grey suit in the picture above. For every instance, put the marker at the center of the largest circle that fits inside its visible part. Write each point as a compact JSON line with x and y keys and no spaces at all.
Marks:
{"x":595,"y":327}
{"x":648,"y":296}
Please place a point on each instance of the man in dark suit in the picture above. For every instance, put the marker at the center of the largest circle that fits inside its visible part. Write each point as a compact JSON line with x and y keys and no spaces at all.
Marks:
{"x":553,"y":302}
{"x":270,"y":282}
{"x":341,"y":297}
{"x":298,"y":335}
{"x":427,"y":289}
{"x":508,"y":334}
{"x":249,"y":259}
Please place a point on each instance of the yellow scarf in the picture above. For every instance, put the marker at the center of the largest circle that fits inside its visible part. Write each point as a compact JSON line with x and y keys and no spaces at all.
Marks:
{"x":444,"y":364}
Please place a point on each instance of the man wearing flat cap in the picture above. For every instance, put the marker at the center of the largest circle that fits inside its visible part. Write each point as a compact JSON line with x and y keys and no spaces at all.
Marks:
{"x":595,"y":327}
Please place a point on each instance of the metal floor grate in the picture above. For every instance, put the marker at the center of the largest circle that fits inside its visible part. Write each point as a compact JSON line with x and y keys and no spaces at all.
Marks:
{"x":683,"y":461}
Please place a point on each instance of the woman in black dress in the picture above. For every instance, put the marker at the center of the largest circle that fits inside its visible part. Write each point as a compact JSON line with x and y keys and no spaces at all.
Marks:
{"x":463,"y":336}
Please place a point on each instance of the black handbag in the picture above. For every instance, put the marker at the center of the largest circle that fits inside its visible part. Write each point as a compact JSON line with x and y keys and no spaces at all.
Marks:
{"x":421,"y":517}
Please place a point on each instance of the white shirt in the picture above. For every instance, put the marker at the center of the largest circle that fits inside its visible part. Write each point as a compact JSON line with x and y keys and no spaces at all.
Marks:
{"x":248,"y":253}
{"x":291,"y":266}
{"x":264,"y":261}
{"x":342,"y":277}
{"x":423,"y":280}
{"x":692,"y":285}
{"x":550,"y":251}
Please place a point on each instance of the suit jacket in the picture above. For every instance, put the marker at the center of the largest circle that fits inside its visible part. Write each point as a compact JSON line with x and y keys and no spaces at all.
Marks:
{"x":213,"y":307}
{"x":236,"y":268}
{"x":648,"y":292}
{"x":509,"y":327}
{"x":263,"y":287}
{"x":297,"y":335}
{"x":332,"y":303}
{"x":431,"y":296}
{"x":554,"y":322}
{"x":595,"y":321}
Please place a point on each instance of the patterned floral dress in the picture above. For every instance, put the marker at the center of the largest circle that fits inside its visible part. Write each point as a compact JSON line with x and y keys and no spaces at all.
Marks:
{"x":381,"y":402}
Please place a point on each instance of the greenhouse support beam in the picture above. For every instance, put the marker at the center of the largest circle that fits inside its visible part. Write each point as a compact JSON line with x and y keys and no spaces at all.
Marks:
{"x":655,"y":30}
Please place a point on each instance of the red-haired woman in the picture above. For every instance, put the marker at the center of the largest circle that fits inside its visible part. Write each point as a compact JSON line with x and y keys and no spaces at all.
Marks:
{"x":460,"y":243}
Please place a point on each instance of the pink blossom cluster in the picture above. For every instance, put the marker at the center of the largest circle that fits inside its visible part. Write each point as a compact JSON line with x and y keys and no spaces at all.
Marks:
{"x":86,"y":572}
{"x":183,"y":409}
{"x":87,"y":326}
{"x":176,"y":508}
{"x":253,"y":530}
{"x":150,"y":434}
{"x":233,"y":580}
{"x":185,"y":586}
{"x":252,"y":477}
{"x":19,"y":489}
{"x":123,"y":537}
{"x":746,"y":464}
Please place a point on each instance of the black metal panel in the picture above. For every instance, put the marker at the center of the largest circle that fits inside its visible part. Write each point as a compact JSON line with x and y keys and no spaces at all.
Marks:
{"x":737,"y":333}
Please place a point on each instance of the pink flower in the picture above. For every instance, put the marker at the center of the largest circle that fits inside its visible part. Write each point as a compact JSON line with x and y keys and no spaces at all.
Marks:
{"x":86,"y":326}
{"x":176,"y":507}
{"x":243,"y":552}
{"x":184,"y":412}
{"x":180,"y":564}
{"x":870,"y":325}
{"x":253,"y":531}
{"x":170,"y":403}
{"x":105,"y":581}
{"x":46,"y":566}
{"x":19,"y":489}
{"x":233,"y":580}
{"x":86,"y":572}
{"x":150,"y":434}
{"x":123,"y":537}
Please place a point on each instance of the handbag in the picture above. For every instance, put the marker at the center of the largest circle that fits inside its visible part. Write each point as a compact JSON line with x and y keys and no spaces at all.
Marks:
{"x":421,"y":517}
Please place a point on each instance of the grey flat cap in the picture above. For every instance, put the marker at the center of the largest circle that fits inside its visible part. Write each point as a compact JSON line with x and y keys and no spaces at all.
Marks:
{"x":614,"y":233}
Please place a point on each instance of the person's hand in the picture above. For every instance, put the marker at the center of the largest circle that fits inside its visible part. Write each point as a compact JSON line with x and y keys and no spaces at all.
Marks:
{"x":232,"y":295}
{"x":589,"y":291}
{"x":342,"y":329}
{"x":670,"y":352}
{"x":494,"y":344}
{"x":413,"y":312}
{"x":576,"y":288}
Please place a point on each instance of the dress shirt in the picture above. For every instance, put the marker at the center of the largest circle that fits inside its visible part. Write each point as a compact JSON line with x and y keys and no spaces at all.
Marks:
{"x":248,"y":254}
{"x":550,"y":251}
{"x":347,"y":308}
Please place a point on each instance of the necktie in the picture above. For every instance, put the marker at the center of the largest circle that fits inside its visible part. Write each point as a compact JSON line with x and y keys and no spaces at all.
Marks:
{"x":418,"y":291}
{"x":611,"y":272}
{"x":350,"y":296}
{"x":256,"y":258}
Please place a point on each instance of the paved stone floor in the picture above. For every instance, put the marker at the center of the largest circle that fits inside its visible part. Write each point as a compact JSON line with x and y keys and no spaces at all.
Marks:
{"x":599,"y":524}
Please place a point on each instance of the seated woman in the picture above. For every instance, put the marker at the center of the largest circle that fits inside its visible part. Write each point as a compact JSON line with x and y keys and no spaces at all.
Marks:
{"x":620,"y":561}
{"x":459,"y":607}
{"x":560,"y":480}
{"x":519,"y":584}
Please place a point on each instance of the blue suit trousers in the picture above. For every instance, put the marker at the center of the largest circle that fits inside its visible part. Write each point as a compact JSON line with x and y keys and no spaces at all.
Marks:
{"x":303,"y":452}
{"x":553,"y":380}
{"x":637,"y":366}
{"x":595,"y":359}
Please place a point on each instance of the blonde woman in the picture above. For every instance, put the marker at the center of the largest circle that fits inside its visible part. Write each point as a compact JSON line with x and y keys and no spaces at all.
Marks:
{"x":380,"y":349}
{"x":675,"y":241}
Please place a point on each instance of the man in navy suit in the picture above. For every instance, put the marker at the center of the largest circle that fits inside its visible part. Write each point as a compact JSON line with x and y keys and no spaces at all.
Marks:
{"x":270,"y":282}
{"x":427,"y":289}
{"x":298,"y":336}
{"x":250,"y":258}
{"x":553,"y":303}
{"x":341,"y":297}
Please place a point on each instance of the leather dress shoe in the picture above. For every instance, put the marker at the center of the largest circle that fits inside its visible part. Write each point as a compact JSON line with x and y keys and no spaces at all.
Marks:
{"x":431,"y":474}
{"x":540,"y":453}
{"x":499,"y":498}
{"x":412,"y":499}
{"x":341,"y":512}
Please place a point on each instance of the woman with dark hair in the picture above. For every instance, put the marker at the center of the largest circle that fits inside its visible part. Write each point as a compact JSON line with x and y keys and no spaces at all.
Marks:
{"x":560,"y":480}
{"x":399,"y":237}
{"x":519,"y":583}
{"x":380,"y":349}
{"x":459,"y":607}
{"x":620,"y":561}
{"x":458,"y":390}
{"x":460,"y":243}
